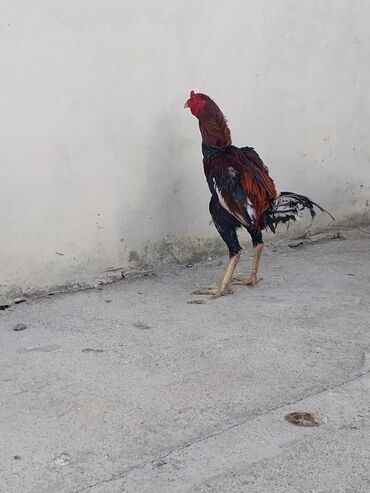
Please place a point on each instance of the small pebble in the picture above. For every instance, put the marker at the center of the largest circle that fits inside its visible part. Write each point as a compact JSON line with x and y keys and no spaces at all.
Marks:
{"x":17,"y":457}
{"x":159,"y":463}
{"x":92,"y":350}
{"x":19,"y":327}
{"x":62,"y":459}
{"x":141,"y":325}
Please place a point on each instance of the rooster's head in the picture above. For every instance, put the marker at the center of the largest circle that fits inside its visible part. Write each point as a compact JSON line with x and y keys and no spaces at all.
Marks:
{"x":197,"y":102}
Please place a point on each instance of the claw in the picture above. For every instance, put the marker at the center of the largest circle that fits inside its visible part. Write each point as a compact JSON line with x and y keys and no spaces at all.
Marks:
{"x":251,"y":280}
{"x":224,"y":287}
{"x":213,"y":292}
{"x":221,"y":293}
{"x":206,"y":291}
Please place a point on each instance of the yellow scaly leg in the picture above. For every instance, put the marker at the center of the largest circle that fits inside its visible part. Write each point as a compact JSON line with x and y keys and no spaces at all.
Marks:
{"x":252,"y":279}
{"x":224,"y":287}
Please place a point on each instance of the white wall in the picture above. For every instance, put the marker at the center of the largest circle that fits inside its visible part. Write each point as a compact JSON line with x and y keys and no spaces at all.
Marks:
{"x":98,"y":156}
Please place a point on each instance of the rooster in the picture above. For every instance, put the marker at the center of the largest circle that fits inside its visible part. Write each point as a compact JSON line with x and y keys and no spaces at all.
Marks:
{"x":243,"y":193}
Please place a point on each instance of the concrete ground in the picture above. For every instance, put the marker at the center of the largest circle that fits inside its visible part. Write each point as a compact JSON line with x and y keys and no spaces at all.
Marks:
{"x":133,"y":389}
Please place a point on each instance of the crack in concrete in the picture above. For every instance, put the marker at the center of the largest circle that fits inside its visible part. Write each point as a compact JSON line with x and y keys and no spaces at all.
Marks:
{"x":363,"y":371}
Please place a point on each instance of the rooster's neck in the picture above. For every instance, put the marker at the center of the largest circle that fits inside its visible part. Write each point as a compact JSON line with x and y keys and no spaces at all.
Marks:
{"x":214,"y":129}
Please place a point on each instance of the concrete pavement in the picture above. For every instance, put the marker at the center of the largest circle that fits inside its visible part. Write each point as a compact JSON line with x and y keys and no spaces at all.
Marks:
{"x":133,"y":389}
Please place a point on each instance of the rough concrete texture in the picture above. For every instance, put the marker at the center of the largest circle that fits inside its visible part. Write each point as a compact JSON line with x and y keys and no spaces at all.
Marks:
{"x":130,"y":388}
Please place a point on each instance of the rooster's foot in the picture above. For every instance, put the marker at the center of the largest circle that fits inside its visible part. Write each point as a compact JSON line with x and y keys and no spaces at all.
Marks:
{"x":251,"y":280}
{"x":213,"y":292}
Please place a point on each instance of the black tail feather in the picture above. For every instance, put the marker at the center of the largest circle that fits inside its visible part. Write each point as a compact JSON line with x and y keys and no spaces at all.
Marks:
{"x":287,"y":206}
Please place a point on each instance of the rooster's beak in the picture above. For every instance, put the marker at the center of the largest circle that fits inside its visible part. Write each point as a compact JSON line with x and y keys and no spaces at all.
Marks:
{"x":186,"y":105}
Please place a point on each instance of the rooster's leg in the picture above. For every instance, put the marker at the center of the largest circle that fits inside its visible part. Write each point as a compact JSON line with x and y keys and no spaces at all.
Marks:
{"x":224,"y":287}
{"x":252,"y":279}
{"x":226,"y":225}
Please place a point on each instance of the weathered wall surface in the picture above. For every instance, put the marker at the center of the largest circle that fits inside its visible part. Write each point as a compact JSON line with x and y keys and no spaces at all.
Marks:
{"x":100,"y":164}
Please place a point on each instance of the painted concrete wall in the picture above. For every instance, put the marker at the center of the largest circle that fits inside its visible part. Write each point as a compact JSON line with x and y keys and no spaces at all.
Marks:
{"x":100,"y":164}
